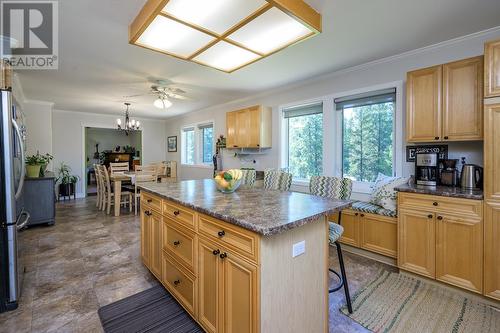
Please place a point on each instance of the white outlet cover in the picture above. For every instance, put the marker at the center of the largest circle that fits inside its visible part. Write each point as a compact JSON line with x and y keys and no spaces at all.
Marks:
{"x":298,"y":249}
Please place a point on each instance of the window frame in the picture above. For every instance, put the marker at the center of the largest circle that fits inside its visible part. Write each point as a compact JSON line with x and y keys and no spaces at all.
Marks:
{"x":198,"y":143}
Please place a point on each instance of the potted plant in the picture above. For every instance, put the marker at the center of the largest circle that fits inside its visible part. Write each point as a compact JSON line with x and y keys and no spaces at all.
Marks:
{"x":46,"y":160}
{"x":33,"y":166}
{"x":66,"y":180}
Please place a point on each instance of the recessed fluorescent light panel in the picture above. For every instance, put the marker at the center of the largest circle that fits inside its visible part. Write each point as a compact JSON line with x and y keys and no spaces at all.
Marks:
{"x":223,"y":34}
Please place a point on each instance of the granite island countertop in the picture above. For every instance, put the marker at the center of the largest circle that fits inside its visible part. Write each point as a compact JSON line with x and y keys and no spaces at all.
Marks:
{"x":264,"y":212}
{"x":443,"y":191}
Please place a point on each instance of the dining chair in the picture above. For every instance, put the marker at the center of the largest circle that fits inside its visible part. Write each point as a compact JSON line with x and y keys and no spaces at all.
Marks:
{"x":119,"y":167}
{"x":98,"y":186}
{"x":109,"y":195}
{"x":248,"y":177}
{"x":139,"y":178}
{"x":277,"y":180}
{"x":335,"y":188}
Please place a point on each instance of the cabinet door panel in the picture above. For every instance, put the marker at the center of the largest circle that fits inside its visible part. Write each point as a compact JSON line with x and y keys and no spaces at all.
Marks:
{"x":492,"y":250}
{"x":156,"y":231}
{"x":231,"y":129}
{"x":350,"y":222}
{"x":492,"y":69}
{"x":379,"y":234}
{"x":416,"y":243}
{"x":240,"y":296}
{"x":242,"y":125}
{"x":492,"y":152}
{"x":209,"y":287}
{"x":423,"y":90}
{"x":145,"y":237}
{"x":254,"y":127}
{"x":459,"y":251}
{"x":463,"y":99}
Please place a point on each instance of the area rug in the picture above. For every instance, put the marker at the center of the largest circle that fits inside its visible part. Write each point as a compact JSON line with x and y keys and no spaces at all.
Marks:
{"x":398,"y":303}
{"x":153,"y":310}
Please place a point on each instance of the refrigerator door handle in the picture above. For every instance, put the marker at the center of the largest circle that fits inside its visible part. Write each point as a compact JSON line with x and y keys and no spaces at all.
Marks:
{"x":23,"y":162}
{"x":22,"y":224}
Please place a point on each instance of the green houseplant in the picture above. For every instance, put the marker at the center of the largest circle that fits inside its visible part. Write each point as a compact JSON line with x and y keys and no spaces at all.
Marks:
{"x":46,"y":160}
{"x":66,"y":180}
{"x":33,"y":165}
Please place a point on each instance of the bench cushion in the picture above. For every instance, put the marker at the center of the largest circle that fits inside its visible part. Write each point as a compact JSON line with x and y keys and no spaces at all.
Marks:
{"x":368,"y":207}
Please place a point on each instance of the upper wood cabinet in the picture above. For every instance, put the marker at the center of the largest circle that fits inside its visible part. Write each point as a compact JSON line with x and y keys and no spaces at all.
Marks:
{"x":444,"y":103}
{"x":249,"y":128}
{"x":492,"y":69}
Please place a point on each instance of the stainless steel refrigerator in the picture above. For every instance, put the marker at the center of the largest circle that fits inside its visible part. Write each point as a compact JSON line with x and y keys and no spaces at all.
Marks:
{"x":12,"y":215}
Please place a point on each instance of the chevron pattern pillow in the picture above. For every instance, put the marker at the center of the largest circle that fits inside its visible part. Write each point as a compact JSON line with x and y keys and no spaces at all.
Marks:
{"x":248,"y":177}
{"x":277,"y":180}
{"x":383,"y":191}
{"x":331,"y":187}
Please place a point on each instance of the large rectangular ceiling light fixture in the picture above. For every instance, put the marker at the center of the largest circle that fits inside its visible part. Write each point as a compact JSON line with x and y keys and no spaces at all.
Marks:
{"x":223,"y":34}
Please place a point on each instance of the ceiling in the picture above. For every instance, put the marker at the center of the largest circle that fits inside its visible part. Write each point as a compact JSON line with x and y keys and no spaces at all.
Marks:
{"x":97,"y":66}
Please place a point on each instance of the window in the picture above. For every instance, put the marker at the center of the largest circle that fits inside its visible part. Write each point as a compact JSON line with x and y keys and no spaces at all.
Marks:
{"x":207,"y":142}
{"x":304,"y":140}
{"x":188,"y":146}
{"x":367,"y":134}
{"x":197,"y":144}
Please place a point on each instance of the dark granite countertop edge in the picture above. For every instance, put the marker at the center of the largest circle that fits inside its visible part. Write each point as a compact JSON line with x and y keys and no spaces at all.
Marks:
{"x":430,"y":191}
{"x":249,"y":226}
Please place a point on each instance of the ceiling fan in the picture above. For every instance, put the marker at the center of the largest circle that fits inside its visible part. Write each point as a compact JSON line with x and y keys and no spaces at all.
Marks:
{"x":164,"y":93}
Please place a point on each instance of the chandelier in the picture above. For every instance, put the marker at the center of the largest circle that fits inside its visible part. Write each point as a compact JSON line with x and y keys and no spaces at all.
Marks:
{"x":130,"y":124}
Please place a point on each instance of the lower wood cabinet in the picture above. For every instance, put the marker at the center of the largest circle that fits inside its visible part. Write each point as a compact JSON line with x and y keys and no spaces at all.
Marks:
{"x":492,"y":249}
{"x":151,"y":240}
{"x":210,"y":287}
{"x":440,"y":242}
{"x":350,"y":223}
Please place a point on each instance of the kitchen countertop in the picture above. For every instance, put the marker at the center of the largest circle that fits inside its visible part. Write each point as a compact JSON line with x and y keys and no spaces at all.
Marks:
{"x":444,"y":191}
{"x":264,"y":212}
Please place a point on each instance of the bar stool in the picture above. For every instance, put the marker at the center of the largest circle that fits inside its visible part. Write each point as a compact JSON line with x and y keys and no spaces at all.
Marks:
{"x":277,"y":180}
{"x":335,"y":188}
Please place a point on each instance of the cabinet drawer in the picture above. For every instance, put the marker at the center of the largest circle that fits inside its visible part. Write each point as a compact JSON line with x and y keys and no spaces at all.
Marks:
{"x":238,"y":239}
{"x":180,"y":284}
{"x":432,"y":203}
{"x":180,"y":244}
{"x":151,"y":200}
{"x":179,"y":214}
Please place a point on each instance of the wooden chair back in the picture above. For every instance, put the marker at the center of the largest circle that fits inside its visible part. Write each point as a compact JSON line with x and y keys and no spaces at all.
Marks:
{"x":119,"y":167}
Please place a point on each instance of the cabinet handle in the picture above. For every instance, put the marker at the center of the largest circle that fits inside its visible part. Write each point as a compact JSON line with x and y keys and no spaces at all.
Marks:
{"x":176,"y":212}
{"x":430,"y":216}
{"x":223,"y":255}
{"x":436,"y":138}
{"x":216,"y":252}
{"x":439,"y":218}
{"x":362,"y":215}
{"x":149,"y":200}
{"x":177,"y":243}
{"x":446,"y":138}
{"x":177,"y":282}
{"x":221,"y":233}
{"x":148,"y":213}
{"x":235,"y":146}
{"x":435,"y":203}
{"x":356,"y":214}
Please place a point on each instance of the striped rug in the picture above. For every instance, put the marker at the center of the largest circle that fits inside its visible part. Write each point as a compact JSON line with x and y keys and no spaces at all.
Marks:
{"x":398,"y":303}
{"x":153,"y":310}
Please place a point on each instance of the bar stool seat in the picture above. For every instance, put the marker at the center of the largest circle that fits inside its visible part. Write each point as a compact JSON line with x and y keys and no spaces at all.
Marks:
{"x":336,"y":231}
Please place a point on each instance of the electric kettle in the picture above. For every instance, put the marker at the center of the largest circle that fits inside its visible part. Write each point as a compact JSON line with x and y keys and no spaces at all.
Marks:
{"x":471,"y":177}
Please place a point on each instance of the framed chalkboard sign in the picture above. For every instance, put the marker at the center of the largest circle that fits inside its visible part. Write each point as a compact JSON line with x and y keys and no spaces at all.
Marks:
{"x":411,"y":151}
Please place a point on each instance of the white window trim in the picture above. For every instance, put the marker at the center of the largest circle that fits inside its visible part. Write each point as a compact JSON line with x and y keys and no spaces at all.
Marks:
{"x":332,"y":131}
{"x":198,"y":148}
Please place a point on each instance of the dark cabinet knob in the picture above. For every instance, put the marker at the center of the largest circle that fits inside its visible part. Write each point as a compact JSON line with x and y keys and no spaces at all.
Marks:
{"x":149,"y":200}
{"x":356,"y":214}
{"x":177,"y":282}
{"x":439,"y":218}
{"x":177,"y":243}
{"x":176,"y":213}
{"x":362,"y":215}
{"x":430,"y":216}
{"x":436,"y":138}
{"x":223,"y":255}
{"x":235,"y":146}
{"x":435,"y":203}
{"x":148,"y":213}
{"x":446,"y":138}
{"x":221,"y":233}
{"x":216,"y":252}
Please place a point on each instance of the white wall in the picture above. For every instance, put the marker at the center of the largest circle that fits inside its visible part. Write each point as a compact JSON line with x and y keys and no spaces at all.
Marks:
{"x":38,"y":122}
{"x":68,"y":129}
{"x":386,"y":70}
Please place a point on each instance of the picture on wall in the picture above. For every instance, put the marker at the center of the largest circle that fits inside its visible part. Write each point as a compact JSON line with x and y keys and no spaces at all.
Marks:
{"x":172,"y":144}
{"x":411,"y":151}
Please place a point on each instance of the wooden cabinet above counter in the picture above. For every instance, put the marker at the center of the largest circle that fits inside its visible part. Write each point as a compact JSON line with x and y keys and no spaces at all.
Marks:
{"x":444,"y":102}
{"x":249,"y":128}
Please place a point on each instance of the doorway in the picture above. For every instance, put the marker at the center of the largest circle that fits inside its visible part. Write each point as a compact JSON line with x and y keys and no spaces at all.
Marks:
{"x":100,"y":143}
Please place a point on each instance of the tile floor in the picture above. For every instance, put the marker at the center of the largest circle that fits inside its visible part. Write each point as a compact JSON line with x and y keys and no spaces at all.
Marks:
{"x":89,"y":259}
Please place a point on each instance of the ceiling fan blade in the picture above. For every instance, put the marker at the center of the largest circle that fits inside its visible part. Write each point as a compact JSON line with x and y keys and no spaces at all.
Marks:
{"x":179,"y":97}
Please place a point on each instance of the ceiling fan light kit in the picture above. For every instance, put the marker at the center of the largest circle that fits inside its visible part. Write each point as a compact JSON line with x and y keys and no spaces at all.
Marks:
{"x":223,"y":34}
{"x":162,"y":103}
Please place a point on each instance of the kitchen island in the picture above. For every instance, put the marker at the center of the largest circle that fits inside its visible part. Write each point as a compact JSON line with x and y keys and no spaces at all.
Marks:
{"x":250,"y":261}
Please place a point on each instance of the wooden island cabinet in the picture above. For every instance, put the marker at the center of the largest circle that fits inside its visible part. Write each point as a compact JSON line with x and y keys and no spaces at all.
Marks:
{"x":232,"y":279}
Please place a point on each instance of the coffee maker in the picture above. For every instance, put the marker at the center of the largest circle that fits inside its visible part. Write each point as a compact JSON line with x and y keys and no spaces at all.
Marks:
{"x":427,"y":169}
{"x":449,"y":173}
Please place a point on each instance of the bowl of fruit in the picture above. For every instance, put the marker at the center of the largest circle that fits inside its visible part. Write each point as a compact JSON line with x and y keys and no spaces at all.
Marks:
{"x":228,"y":181}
